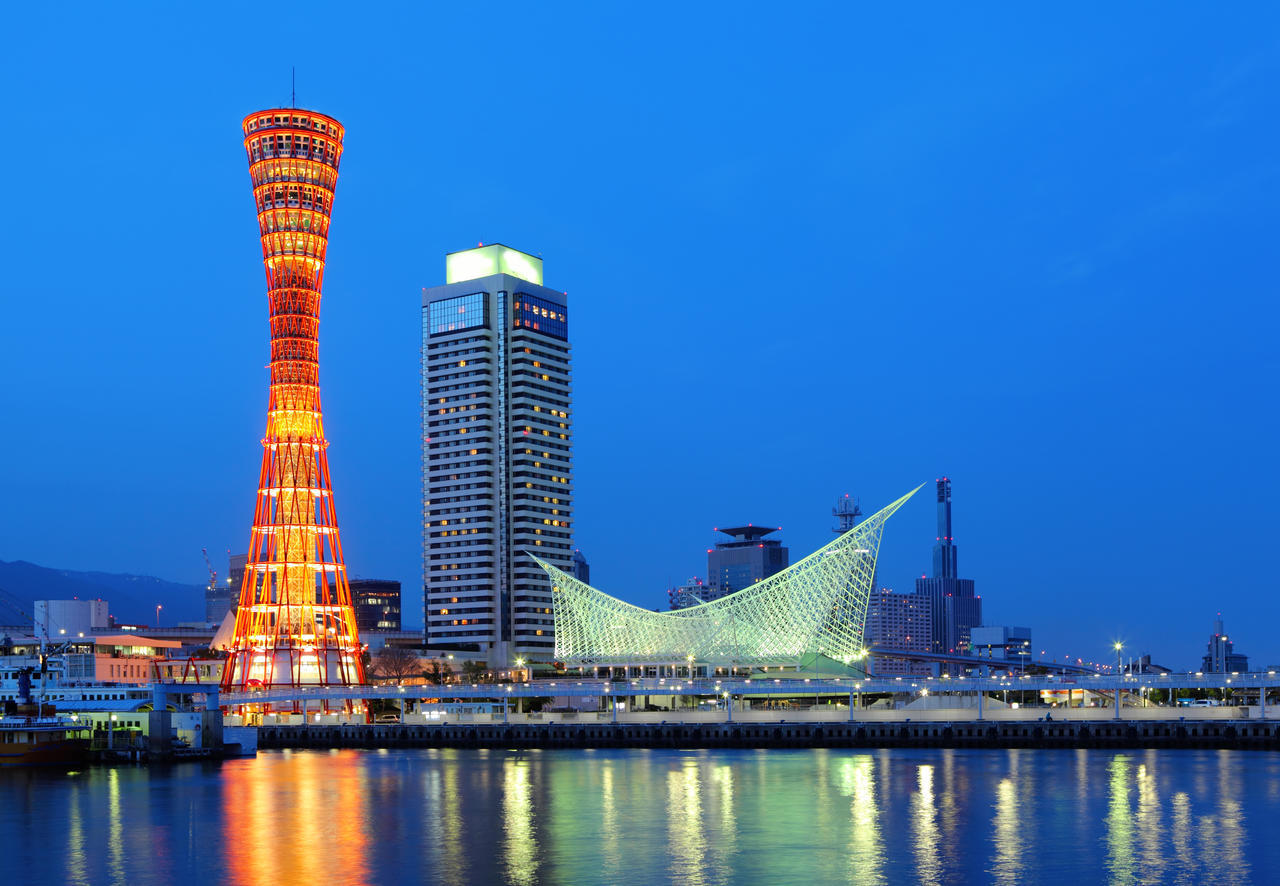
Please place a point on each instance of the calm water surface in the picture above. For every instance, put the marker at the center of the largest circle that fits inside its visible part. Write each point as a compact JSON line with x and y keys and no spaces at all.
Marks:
{"x":640,"y":817}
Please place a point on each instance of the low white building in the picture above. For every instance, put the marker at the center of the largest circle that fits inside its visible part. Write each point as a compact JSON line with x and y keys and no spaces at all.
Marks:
{"x":70,"y":618}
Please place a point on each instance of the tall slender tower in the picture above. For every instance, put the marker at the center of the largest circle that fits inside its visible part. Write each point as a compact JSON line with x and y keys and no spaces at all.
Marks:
{"x":295,"y":624}
{"x":954,"y":609}
{"x":944,"y":547}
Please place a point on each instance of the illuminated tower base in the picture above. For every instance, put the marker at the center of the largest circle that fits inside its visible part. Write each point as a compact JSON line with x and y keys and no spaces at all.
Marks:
{"x":295,"y":625}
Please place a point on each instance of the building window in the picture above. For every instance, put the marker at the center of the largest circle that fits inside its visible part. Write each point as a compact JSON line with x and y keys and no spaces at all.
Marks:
{"x":456,"y":314}
{"x":540,"y":315}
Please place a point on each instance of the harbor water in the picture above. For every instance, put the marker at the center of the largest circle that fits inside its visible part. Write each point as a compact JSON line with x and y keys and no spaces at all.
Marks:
{"x":652,"y":816}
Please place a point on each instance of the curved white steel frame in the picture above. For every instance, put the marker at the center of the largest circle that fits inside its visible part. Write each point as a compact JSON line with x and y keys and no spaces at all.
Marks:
{"x":818,"y":605}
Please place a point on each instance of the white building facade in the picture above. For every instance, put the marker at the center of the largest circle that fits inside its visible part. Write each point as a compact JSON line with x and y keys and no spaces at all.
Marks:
{"x":901,"y":622}
{"x":497,"y":456}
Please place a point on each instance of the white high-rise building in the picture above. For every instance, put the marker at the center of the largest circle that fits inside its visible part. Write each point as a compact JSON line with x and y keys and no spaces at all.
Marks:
{"x":497,"y":468}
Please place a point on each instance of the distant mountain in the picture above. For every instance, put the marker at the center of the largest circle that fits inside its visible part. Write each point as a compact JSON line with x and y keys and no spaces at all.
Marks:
{"x":132,"y":598}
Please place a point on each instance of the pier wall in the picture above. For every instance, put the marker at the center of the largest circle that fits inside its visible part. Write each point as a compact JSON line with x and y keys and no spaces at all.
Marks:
{"x":1146,"y":733}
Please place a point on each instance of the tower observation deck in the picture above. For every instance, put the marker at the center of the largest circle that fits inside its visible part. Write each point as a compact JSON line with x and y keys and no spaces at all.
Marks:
{"x":295,"y":624}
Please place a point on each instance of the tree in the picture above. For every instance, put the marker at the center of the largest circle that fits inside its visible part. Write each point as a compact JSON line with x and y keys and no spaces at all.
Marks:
{"x":438,"y":672}
{"x":395,"y":663}
{"x":472,"y":671}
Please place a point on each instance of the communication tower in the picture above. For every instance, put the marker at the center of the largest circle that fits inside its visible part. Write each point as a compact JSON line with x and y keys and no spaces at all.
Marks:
{"x":846,"y":513}
{"x":295,"y":625}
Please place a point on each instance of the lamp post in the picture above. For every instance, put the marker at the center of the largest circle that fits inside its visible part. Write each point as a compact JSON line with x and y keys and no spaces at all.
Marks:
{"x":689,"y":667}
{"x":1118,"y":646}
{"x":158,"y":608}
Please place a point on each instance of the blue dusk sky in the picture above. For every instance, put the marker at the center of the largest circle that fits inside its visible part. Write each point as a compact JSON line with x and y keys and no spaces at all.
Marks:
{"x":810,"y":250}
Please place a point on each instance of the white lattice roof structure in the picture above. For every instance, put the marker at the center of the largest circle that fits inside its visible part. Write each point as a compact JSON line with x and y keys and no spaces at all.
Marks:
{"x":817,"y":605}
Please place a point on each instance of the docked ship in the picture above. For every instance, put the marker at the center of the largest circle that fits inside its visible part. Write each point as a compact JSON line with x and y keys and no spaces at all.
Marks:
{"x":33,"y":734}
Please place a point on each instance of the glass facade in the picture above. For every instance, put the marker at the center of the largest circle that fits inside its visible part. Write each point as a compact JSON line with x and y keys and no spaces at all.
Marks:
{"x":456,"y":314}
{"x":540,"y":314}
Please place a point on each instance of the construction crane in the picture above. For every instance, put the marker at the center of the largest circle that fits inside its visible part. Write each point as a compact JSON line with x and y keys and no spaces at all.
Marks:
{"x":213,"y":573}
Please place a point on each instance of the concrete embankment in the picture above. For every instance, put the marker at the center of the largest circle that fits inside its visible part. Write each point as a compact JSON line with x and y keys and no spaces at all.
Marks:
{"x":1242,"y":734}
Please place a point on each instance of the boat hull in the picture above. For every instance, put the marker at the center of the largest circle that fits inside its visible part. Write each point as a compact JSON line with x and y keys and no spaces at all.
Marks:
{"x":45,"y":753}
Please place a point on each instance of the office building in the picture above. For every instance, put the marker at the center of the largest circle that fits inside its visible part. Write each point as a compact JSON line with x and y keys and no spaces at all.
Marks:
{"x":497,"y":455}
{"x":218,"y":598}
{"x":221,"y":597}
{"x":1221,"y":657}
{"x":377,"y":603}
{"x":902,"y":623}
{"x":953,"y":607}
{"x":693,"y":592}
{"x":749,"y":558}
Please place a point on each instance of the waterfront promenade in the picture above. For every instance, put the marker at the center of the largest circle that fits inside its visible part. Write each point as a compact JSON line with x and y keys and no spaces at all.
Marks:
{"x":981,"y":693}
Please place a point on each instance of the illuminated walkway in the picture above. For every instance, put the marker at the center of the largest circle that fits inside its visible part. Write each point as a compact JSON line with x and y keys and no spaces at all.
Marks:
{"x":1132,"y":687}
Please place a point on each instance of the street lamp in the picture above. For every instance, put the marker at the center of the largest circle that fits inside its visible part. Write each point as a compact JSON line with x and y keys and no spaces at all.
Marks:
{"x":158,"y":608}
{"x":1118,"y":647}
{"x":689,"y":667}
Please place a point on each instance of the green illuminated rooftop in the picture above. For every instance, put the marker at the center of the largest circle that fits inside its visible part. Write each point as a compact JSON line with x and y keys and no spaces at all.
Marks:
{"x":484,"y":261}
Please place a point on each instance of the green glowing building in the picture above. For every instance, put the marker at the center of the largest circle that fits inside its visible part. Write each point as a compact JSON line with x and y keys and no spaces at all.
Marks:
{"x":811,"y":614}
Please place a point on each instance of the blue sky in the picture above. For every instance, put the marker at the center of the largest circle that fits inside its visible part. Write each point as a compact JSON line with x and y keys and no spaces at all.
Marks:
{"x":809,"y":250}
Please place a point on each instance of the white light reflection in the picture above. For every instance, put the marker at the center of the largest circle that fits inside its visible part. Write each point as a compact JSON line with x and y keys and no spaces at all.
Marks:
{"x":115,"y":828}
{"x":924,"y":828}
{"x":76,"y":871}
{"x":1007,"y":867}
{"x":866,"y":855}
{"x":612,"y":868}
{"x":454,"y":861}
{"x":1148,"y":821}
{"x":1231,"y":863}
{"x":725,"y":846}
{"x":520,"y":852}
{"x":1119,"y":823}
{"x":687,"y":842}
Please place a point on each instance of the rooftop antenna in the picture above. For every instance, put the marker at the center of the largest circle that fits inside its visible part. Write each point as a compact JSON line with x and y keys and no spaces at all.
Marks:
{"x":293,"y":86}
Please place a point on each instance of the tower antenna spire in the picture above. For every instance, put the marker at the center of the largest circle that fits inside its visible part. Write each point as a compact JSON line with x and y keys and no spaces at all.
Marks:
{"x":293,"y":86}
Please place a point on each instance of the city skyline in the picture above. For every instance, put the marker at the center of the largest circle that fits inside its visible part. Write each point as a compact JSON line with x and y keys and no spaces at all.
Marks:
{"x":1047,"y":269}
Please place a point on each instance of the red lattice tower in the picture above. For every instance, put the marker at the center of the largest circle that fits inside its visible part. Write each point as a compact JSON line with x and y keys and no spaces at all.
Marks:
{"x":295,"y":625}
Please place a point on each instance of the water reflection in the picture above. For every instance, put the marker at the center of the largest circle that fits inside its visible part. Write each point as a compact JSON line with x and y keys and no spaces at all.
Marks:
{"x":866,"y":855}
{"x":449,"y":812}
{"x":1230,"y":840}
{"x":924,"y":821}
{"x":76,"y":869}
{"x":609,"y":822}
{"x":115,"y":828}
{"x":686,"y":842}
{"x":726,"y":819}
{"x":294,"y":818}
{"x":1182,"y":837}
{"x":1147,"y":821}
{"x":1007,"y":866}
{"x":1119,"y":822}
{"x":659,"y":816}
{"x":519,"y":850}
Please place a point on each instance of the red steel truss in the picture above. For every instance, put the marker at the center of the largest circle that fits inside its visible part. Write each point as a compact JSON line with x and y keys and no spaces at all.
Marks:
{"x":295,"y":625}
